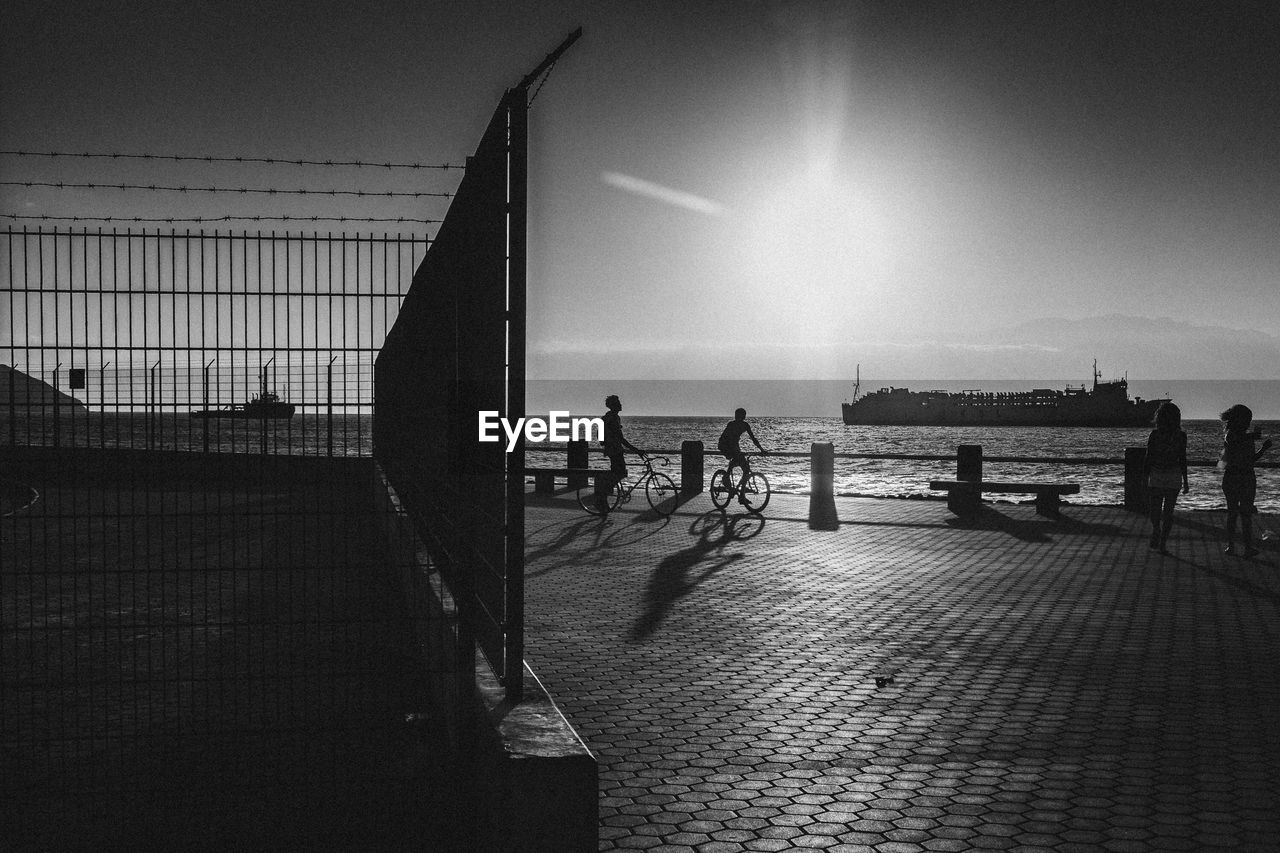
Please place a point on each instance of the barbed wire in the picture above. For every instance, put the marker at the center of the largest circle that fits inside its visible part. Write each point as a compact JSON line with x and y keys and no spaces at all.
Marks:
{"x":182,"y":158}
{"x":63,"y":185}
{"x":169,"y":220}
{"x":542,"y":83}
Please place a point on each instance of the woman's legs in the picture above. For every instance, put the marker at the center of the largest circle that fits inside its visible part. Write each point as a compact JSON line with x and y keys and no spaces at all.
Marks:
{"x":1170,"y":501}
{"x":1240,"y":489}
{"x":1155,"y":509}
{"x":1160,"y":510}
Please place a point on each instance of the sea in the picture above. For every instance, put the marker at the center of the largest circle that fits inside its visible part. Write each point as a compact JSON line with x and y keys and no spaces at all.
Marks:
{"x":352,"y":435}
{"x":1100,"y":484}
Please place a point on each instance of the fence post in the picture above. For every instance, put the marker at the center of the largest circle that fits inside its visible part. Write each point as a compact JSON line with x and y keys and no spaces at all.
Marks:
{"x":57,"y":426}
{"x":968,"y":468}
{"x":578,"y":459}
{"x":204,"y":422}
{"x":102,"y":406}
{"x":328,"y":379}
{"x":1135,"y":490}
{"x":692,"y":476}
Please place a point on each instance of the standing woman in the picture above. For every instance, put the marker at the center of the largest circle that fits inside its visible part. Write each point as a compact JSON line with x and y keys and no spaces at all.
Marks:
{"x":1239,"y":483}
{"x":1166,"y":470}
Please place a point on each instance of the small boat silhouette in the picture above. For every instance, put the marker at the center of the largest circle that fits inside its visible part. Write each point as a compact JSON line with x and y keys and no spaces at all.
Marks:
{"x":266,"y":405}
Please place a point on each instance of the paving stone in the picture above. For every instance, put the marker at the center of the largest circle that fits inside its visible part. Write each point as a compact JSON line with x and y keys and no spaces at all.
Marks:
{"x":1056,"y":685}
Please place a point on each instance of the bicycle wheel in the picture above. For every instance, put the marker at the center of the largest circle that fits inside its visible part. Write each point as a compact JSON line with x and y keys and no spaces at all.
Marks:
{"x":721,"y":490}
{"x":755,"y":494}
{"x":661,"y":492}
{"x":599,"y":504}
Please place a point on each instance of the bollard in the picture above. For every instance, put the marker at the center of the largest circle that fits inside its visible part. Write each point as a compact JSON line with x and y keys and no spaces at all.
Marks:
{"x":1135,"y":489}
{"x":578,"y":459}
{"x":822,"y":468}
{"x":969,"y":469}
{"x":822,"y":474}
{"x":692,"y":477}
{"x":969,"y":462}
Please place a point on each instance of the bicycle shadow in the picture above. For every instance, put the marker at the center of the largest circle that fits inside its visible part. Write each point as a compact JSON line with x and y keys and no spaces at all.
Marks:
{"x":682,"y":572}
{"x":562,"y":545}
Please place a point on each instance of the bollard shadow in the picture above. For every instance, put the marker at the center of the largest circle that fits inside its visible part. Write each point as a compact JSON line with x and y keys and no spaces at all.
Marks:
{"x":682,"y":572}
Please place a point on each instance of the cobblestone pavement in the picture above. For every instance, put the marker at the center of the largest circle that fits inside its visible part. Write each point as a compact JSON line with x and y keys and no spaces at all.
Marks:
{"x":909,"y":681}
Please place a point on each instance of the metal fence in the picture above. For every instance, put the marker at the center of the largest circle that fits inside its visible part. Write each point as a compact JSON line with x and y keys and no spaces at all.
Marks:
{"x":159,"y":340}
{"x":205,"y":647}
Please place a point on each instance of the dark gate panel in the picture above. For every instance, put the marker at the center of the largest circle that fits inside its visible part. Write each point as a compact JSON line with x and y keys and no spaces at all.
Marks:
{"x":446,"y":360}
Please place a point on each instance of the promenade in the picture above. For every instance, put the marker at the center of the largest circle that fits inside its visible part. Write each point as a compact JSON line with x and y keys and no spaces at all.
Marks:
{"x":910,"y":681}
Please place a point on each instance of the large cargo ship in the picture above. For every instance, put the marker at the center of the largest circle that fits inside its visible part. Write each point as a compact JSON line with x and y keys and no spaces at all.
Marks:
{"x":1107,"y":405}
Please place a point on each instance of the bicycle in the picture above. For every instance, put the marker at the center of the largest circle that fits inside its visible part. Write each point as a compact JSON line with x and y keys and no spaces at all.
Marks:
{"x":659,"y":489}
{"x":754,"y":494}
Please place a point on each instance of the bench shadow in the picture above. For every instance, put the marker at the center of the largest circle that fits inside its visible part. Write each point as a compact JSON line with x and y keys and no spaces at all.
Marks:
{"x":680,"y":573}
{"x":1036,"y":529}
{"x":986,"y":518}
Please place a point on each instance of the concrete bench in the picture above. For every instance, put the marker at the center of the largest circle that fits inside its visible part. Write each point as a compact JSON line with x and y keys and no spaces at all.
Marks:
{"x":964,"y":496}
{"x":544,"y":479}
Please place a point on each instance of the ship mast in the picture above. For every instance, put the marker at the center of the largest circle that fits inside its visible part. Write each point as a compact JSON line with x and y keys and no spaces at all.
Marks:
{"x":264,"y":376}
{"x":857,"y":381}
{"x":1095,"y":376}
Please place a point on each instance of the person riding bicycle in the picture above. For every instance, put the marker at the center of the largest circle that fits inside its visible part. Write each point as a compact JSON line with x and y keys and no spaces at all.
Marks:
{"x":728,"y":445}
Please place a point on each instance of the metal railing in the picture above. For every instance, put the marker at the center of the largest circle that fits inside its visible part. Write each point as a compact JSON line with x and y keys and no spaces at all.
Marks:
{"x":692,"y":467}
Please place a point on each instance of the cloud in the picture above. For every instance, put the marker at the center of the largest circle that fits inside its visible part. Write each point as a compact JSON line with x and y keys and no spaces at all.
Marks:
{"x":667,"y":195}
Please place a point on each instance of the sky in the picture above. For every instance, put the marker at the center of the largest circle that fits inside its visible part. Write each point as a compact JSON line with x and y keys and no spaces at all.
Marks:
{"x":749,"y":189}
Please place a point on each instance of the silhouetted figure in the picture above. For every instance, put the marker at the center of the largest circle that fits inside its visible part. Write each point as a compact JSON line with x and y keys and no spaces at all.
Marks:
{"x":1239,"y":482}
{"x":615,"y":443}
{"x":1166,"y":470}
{"x":729,"y":446}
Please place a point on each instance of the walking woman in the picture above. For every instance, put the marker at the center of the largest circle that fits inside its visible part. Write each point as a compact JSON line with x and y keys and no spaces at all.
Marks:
{"x":1166,"y":470}
{"x":1239,"y":482}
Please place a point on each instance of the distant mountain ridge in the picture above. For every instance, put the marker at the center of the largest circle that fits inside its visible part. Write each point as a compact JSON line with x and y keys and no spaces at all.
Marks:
{"x":25,"y":392}
{"x":1141,"y":347}
{"x":1153,"y":347}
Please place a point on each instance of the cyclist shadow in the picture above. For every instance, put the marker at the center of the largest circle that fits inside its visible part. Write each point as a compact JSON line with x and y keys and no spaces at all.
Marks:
{"x":564,"y":549}
{"x":680,"y":573}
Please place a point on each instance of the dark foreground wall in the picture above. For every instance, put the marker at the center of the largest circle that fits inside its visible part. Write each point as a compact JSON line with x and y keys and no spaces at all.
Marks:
{"x":531,"y":783}
{"x":241,"y":651}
